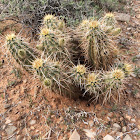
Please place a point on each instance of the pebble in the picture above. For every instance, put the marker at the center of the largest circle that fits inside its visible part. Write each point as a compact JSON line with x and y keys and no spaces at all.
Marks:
{"x":120,"y":134}
{"x":108,"y":118}
{"x":35,"y":136}
{"x":25,"y":81}
{"x":137,"y":96}
{"x":128,"y":117}
{"x":7,"y":106}
{"x":37,"y":131}
{"x":127,"y":137}
{"x":116,"y":127}
{"x":138,"y":56}
{"x":10,"y":130}
{"x":124,"y":129}
{"x":8,"y":121}
{"x":128,"y":29}
{"x":3,"y":127}
{"x":110,"y":114}
{"x":19,"y":137}
{"x":133,"y":120}
{"x":32,"y":122}
{"x":108,"y":137}
{"x":120,"y":17}
{"x":138,"y":126}
{"x":121,"y":118}
{"x":32,"y":128}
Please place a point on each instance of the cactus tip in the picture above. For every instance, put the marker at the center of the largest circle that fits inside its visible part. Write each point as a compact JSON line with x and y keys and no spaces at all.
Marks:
{"x":37,"y":63}
{"x":117,"y":74}
{"x":81,"y":69}
{"x":10,"y":37}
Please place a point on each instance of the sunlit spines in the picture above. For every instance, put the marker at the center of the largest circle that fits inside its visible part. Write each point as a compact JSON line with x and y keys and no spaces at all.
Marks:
{"x":38,"y":63}
{"x":128,"y":69}
{"x":117,"y":74}
{"x":94,"y":24}
{"x":10,"y":37}
{"x":52,"y":22}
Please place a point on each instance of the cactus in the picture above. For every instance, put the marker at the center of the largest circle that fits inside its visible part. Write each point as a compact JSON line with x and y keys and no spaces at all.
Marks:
{"x":49,"y":71}
{"x":93,"y":85}
{"x":127,"y":68}
{"x":52,"y":45}
{"x":113,"y":83}
{"x":52,"y":38}
{"x":53,"y":23}
{"x":54,"y":76}
{"x":48,"y":82}
{"x":99,"y":49}
{"x":78,"y":74}
{"x":109,"y":20}
{"x":108,"y":24}
{"x":20,"y":50}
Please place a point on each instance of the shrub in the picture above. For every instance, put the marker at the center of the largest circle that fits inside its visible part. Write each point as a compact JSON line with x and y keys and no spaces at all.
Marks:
{"x":31,"y":12}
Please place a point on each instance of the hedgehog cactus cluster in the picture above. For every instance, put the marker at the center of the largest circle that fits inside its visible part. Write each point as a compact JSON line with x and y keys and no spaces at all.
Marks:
{"x":97,"y":76}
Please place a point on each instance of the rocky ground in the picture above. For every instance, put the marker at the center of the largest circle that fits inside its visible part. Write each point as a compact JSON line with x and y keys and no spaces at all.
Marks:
{"x":29,"y":111}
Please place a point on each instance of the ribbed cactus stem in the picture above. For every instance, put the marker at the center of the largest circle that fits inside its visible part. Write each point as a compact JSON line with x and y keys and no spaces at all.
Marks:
{"x":93,"y":52}
{"x":20,"y":50}
{"x":99,"y":48}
